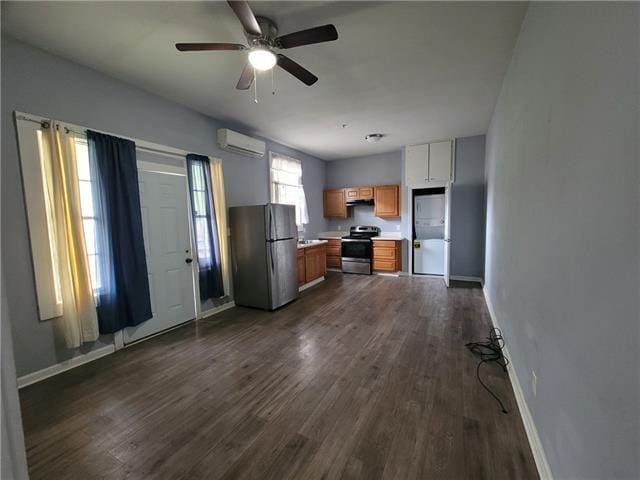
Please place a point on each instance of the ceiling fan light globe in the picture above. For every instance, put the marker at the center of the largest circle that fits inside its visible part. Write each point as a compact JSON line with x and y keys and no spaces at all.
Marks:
{"x":262,"y":59}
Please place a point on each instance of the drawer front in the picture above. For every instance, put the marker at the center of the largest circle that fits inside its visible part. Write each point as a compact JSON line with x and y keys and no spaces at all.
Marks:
{"x":334,"y":262}
{"x":334,"y":250}
{"x":314,"y":250}
{"x":300,"y":252}
{"x":384,"y":253}
{"x":384,"y":243}
{"x":384,"y":265}
{"x":334,"y":243}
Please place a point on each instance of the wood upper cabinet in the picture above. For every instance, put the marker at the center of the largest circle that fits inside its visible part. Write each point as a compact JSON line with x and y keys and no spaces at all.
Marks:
{"x":365,"y":193}
{"x":334,"y":203}
{"x":387,"y":201}
{"x":351,"y":194}
{"x":358,"y":193}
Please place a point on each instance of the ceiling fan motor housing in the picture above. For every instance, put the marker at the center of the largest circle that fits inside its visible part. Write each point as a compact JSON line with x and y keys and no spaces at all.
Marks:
{"x":269,"y":33}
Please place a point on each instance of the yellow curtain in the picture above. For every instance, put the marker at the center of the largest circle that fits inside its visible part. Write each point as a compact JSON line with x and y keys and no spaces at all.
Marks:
{"x":79,"y":321}
{"x":220,"y":206}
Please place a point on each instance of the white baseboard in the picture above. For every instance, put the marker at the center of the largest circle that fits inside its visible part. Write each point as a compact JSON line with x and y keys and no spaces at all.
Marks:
{"x":218,"y":309}
{"x":35,"y":377}
{"x":311,"y":284}
{"x":47,"y":372}
{"x":544,"y":471}
{"x":464,"y":278}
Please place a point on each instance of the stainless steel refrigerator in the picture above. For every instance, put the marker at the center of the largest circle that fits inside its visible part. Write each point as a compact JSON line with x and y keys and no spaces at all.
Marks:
{"x":264,"y":255}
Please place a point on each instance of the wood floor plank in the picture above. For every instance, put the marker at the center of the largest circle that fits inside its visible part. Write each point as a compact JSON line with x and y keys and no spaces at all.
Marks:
{"x":363,"y":377}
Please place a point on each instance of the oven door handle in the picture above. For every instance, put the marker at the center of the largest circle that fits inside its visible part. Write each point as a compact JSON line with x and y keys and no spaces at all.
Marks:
{"x":356,"y":240}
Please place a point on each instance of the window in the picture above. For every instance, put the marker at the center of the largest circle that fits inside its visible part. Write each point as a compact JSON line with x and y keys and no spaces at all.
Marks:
{"x":44,"y":207}
{"x":286,"y":185}
{"x":201,"y":214}
{"x":90,"y":217}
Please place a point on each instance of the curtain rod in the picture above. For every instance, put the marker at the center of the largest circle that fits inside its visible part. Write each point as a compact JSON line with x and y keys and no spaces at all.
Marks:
{"x":47,"y":124}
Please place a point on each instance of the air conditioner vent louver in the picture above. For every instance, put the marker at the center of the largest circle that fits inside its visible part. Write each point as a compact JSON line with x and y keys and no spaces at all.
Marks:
{"x":239,"y":143}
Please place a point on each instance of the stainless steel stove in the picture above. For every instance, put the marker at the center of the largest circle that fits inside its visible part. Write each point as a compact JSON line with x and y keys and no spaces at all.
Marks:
{"x":357,"y":249}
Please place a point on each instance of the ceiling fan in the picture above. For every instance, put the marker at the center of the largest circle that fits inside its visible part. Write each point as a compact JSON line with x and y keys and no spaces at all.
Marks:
{"x":261,"y":33}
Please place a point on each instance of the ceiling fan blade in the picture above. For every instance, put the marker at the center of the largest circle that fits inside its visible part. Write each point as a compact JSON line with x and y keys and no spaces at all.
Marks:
{"x":297,"y":70}
{"x":246,"y":17}
{"x":197,"y":47}
{"x":246,"y":78}
{"x":325,"y":33}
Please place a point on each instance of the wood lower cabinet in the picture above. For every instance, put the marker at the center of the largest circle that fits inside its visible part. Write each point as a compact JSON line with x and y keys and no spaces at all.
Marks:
{"x":334,"y":253}
{"x":312,"y":263}
{"x":387,"y":255}
{"x":334,"y":203}
{"x":301,"y":269}
{"x":387,"y":201}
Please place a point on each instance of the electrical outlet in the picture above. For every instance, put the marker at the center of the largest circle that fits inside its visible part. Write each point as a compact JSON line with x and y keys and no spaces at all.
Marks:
{"x":339,"y":227}
{"x":534,"y":382}
{"x":398,"y":227}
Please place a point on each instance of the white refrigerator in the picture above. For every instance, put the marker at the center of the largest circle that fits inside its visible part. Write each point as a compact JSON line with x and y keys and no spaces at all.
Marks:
{"x":429,"y":213}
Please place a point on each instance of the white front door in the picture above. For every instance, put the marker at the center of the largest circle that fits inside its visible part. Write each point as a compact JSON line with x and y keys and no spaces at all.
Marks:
{"x":167,"y":243}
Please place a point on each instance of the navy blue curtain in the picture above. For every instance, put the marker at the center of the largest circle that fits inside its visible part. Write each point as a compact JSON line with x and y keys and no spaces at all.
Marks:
{"x":123,"y":292}
{"x":206,"y":231}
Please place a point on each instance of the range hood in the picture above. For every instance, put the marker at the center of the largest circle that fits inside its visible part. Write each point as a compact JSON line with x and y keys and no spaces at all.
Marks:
{"x":353,"y":203}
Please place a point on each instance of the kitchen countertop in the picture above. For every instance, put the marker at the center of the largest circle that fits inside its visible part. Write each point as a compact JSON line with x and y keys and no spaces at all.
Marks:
{"x":383,"y":235}
{"x":314,"y":243}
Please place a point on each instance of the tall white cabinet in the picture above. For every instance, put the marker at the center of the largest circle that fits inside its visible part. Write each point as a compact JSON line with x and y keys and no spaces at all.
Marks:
{"x":429,"y":163}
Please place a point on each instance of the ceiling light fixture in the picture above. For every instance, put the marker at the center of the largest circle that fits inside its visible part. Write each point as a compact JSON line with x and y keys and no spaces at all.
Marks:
{"x":374,"y":137}
{"x":262,"y":59}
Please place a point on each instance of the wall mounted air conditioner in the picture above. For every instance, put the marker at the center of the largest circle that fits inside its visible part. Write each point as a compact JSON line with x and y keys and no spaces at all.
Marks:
{"x":239,"y":143}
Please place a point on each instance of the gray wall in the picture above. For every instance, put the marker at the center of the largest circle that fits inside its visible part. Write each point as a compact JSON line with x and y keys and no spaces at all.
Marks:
{"x":562,"y":256}
{"x":468,"y":208}
{"x":382,"y":169}
{"x":36,"y":82}
{"x":13,"y":458}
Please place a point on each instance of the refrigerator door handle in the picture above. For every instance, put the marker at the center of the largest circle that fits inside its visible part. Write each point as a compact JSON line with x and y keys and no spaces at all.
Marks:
{"x":273,"y":266}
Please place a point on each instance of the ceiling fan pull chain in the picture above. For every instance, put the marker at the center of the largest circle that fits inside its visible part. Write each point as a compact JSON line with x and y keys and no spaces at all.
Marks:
{"x":255,"y":86}
{"x":273,"y":87}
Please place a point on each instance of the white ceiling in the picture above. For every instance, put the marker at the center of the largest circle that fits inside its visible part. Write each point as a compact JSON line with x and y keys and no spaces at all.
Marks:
{"x":415,"y":71}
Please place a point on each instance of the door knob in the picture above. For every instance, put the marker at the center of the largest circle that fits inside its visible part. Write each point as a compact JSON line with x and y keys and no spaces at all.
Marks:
{"x":188,"y":260}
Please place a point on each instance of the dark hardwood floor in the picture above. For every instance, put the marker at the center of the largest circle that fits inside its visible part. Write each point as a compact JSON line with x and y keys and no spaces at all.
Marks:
{"x":363,"y":377}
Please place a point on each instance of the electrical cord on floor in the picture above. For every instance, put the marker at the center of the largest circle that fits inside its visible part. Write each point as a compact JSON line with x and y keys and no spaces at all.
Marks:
{"x":490,"y":351}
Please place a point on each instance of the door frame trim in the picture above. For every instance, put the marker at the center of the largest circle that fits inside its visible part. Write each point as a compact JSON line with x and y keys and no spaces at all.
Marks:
{"x":409,"y":228}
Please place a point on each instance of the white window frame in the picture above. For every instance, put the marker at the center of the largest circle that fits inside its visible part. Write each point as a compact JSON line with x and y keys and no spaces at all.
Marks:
{"x":46,"y":278}
{"x":301,"y":227}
